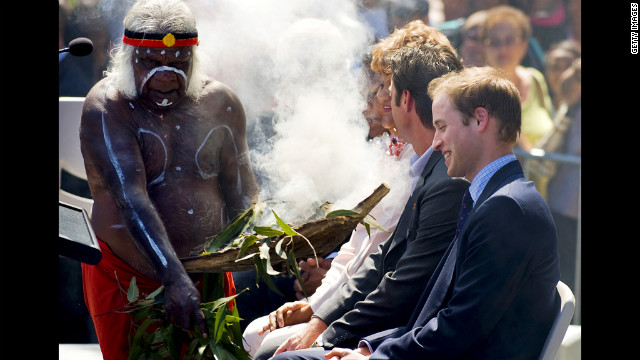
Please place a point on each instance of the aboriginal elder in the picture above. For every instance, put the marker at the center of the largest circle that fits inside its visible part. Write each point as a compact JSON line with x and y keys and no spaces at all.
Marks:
{"x":167,"y":162}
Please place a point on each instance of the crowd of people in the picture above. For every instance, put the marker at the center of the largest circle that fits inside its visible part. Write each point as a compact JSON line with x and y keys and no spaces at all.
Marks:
{"x":457,"y":87}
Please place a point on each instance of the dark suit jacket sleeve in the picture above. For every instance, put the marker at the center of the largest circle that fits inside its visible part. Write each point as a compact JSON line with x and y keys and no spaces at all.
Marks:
{"x":378,"y":338}
{"x":362,"y":307}
{"x":494,"y":264}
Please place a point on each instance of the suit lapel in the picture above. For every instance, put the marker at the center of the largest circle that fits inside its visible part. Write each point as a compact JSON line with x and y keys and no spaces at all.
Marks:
{"x":428,"y":168}
{"x":407,"y":219}
{"x":506,"y":174}
{"x":436,"y":290}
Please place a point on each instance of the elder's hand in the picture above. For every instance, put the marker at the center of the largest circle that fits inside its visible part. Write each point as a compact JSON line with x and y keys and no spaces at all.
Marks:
{"x":182,"y":304}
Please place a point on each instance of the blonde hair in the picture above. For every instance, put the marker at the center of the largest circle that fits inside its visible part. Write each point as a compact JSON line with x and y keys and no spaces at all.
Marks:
{"x":507,"y":14}
{"x":414,"y":33}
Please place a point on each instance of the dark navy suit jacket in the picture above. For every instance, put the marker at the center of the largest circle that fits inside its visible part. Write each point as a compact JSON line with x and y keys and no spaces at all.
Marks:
{"x":384,"y":291}
{"x":502,"y":300}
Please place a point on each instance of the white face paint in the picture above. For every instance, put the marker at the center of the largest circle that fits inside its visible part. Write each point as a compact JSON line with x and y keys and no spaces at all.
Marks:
{"x":164,"y":102}
{"x":177,"y":53}
{"x":164,"y":68}
{"x":229,"y":109}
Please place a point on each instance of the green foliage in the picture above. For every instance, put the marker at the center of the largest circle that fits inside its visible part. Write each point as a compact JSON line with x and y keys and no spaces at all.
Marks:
{"x":264,"y":235}
{"x":238,"y":225}
{"x":157,"y":338}
{"x":368,"y":220}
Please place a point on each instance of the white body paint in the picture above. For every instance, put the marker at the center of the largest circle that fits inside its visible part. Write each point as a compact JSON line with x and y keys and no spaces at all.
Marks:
{"x":116,"y":165}
{"x":204,"y":174}
{"x":164,"y":147}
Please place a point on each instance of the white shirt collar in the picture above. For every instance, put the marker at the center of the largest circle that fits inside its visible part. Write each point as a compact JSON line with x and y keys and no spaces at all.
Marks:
{"x":417,"y":165}
{"x":482,"y":178}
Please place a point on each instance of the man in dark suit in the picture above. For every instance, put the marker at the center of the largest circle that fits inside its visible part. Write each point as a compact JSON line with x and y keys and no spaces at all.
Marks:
{"x":493,"y":296}
{"x":387,"y":286}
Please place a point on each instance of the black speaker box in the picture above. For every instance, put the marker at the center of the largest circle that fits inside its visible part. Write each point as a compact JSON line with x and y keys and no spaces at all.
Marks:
{"x":77,"y":240}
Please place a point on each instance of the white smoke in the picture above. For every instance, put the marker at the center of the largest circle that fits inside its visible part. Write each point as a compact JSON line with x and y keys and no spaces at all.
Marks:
{"x":294,"y":65}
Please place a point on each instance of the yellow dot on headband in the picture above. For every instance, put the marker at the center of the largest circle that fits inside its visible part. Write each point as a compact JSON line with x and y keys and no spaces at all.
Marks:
{"x":168,"y":40}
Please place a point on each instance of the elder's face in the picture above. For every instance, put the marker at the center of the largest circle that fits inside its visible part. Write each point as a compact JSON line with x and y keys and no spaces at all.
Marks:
{"x":161,"y":74}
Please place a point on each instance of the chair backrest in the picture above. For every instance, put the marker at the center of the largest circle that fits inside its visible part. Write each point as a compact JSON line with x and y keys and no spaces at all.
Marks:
{"x":70,"y":157}
{"x":560,"y":324}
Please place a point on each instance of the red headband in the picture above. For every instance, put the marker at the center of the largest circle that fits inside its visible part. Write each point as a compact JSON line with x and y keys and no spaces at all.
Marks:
{"x":159,"y":40}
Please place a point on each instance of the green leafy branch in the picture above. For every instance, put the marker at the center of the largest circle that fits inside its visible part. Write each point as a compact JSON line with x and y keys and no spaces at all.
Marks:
{"x":157,"y":338}
{"x":242,"y":233}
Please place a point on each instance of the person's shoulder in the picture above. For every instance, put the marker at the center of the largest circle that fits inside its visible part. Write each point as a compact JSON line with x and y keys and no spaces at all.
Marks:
{"x":438,"y":181}
{"x":104,"y":98}
{"x":103,"y":94}
{"x":217,"y":95}
{"x":535,"y":73}
{"x":520,"y":192}
{"x":520,"y":206}
{"x":215,"y":88}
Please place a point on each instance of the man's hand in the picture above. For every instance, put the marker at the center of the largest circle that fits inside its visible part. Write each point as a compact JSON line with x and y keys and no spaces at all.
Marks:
{"x":289,"y":313}
{"x":312,"y":275}
{"x":348,"y":354}
{"x":182,"y":304}
{"x":304,"y":338}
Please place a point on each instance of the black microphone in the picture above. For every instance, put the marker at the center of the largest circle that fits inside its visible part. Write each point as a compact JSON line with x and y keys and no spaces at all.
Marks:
{"x":79,"y":47}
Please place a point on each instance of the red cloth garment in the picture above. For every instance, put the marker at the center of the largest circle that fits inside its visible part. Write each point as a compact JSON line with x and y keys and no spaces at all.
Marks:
{"x":229,"y":288}
{"x":105,"y":291}
{"x":105,"y":288}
